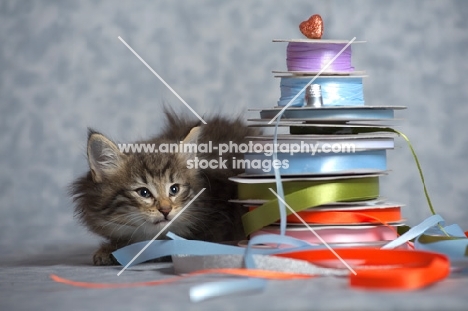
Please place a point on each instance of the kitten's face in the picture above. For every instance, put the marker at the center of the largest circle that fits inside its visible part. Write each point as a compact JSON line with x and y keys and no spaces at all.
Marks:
{"x":151,"y":191}
{"x":131,"y":197}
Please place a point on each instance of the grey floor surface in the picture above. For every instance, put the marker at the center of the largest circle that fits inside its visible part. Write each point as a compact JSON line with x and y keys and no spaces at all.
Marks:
{"x":25,"y":285}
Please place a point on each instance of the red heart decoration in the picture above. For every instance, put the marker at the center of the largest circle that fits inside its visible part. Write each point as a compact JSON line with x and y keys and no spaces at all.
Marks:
{"x":313,"y":27}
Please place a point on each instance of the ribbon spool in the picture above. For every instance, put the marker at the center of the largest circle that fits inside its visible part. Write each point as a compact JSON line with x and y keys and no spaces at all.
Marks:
{"x":336,"y":91}
{"x":332,"y":113}
{"x":313,"y":56}
{"x":303,"y":195}
{"x":337,"y":217}
{"x":334,"y":130}
{"x":336,"y":235}
{"x":366,"y":161}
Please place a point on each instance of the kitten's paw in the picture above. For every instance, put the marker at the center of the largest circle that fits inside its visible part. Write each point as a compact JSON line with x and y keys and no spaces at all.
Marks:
{"x":103,"y":256}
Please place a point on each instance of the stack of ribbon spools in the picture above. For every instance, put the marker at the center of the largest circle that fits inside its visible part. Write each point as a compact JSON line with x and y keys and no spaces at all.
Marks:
{"x":329,"y":158}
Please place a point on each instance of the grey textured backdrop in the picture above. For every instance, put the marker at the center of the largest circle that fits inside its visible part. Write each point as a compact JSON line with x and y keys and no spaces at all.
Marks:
{"x":63,"y":69}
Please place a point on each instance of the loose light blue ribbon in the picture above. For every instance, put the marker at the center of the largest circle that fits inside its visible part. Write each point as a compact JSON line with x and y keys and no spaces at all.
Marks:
{"x":221,"y":288}
{"x":415,"y":231}
{"x":180,"y":246}
{"x":162,"y":248}
{"x":455,"y":246}
{"x":279,"y":184}
{"x":452,"y":241}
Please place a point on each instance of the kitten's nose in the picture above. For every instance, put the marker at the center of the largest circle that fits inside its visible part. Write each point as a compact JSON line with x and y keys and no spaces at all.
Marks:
{"x":165,"y":212}
{"x":165,"y":207}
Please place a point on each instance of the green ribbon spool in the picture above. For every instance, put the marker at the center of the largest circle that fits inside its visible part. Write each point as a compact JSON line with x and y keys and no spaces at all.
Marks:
{"x":301,"y":195}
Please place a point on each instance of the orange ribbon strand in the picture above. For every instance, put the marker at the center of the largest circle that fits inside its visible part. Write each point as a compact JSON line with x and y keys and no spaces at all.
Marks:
{"x":253,"y":273}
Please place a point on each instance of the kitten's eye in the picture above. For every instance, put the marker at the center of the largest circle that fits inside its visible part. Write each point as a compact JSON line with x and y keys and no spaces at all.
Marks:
{"x":174,"y":189}
{"x":144,"y":192}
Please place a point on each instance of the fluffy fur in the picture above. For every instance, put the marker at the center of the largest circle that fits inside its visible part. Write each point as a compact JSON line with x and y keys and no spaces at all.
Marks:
{"x":130,"y":197}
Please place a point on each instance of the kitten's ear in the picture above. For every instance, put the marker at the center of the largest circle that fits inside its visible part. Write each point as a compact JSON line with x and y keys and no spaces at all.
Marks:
{"x":104,"y":157}
{"x":192,"y":138}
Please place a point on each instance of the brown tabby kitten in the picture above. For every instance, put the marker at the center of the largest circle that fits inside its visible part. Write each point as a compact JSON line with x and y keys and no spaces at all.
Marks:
{"x":130,"y":197}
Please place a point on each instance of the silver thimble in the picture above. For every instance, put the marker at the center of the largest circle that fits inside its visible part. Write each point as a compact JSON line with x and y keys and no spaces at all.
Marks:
{"x":313,"y":96}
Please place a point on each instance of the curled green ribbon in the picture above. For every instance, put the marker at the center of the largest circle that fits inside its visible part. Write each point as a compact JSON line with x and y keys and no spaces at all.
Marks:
{"x":302,"y":195}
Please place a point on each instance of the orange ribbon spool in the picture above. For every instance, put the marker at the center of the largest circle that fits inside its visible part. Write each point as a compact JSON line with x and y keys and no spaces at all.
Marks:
{"x":379,"y":215}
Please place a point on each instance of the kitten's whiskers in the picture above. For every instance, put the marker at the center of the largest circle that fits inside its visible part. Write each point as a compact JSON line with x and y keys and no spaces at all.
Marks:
{"x":132,"y":217}
{"x":136,"y":229}
{"x":112,"y":221}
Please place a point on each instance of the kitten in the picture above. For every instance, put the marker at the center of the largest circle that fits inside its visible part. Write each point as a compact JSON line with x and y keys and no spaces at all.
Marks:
{"x":130,"y":197}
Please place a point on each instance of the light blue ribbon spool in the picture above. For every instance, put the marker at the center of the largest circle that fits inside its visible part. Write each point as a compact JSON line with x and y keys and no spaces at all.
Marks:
{"x":368,"y":161}
{"x":337,"y":91}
